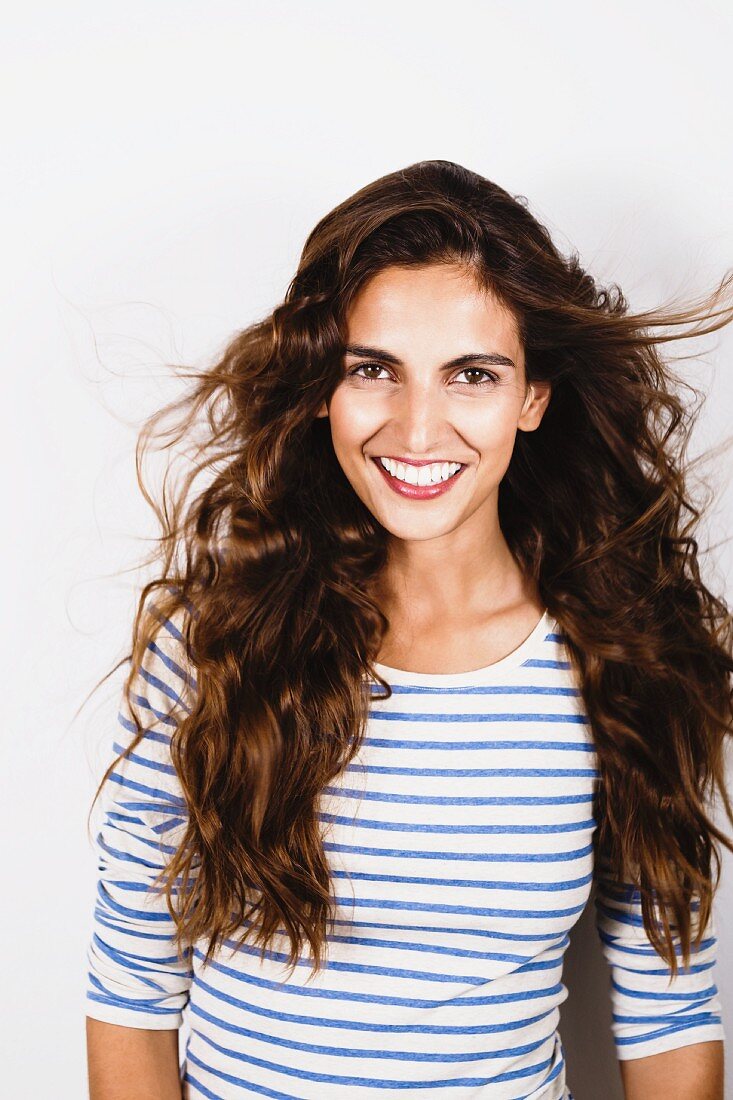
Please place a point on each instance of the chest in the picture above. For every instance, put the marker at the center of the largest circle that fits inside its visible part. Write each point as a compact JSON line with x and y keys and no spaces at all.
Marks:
{"x":467,"y":806}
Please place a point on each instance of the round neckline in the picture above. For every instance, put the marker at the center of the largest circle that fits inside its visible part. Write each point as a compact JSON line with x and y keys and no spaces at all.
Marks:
{"x":512,"y":660}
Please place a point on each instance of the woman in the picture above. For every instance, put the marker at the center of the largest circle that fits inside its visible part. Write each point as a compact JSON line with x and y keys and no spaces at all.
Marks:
{"x":427,"y":658}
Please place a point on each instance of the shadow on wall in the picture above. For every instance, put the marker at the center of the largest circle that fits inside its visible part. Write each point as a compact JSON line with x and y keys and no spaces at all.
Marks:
{"x":585,"y":1017}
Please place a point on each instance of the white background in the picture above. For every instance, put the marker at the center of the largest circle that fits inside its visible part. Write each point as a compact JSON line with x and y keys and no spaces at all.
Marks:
{"x":165,"y":162}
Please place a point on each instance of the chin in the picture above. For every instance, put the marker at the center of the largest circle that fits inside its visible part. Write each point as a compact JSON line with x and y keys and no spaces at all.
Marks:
{"x":417,"y":530}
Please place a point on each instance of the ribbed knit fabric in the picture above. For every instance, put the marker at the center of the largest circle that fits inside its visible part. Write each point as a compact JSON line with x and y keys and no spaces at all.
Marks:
{"x":460,"y":842}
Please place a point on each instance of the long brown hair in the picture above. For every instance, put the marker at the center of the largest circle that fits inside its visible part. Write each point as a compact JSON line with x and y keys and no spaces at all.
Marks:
{"x":268,"y":561}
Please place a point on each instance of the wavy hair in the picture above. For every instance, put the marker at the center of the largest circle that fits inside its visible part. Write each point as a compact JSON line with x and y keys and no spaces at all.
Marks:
{"x":270,"y":561}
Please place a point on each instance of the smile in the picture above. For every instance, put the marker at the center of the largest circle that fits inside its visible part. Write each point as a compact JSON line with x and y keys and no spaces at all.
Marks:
{"x":419,"y":482}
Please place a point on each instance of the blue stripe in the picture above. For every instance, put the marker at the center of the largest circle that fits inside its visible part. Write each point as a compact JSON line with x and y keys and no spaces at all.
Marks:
{"x":479,"y":773}
{"x":480,"y":716}
{"x":629,"y":1040}
{"x":442,"y":800}
{"x":477,"y":884}
{"x":574,"y":854}
{"x":428,"y":827}
{"x":345,"y":1081}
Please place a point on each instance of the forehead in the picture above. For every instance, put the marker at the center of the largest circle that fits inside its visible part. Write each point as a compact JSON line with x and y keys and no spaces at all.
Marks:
{"x":433,"y":303}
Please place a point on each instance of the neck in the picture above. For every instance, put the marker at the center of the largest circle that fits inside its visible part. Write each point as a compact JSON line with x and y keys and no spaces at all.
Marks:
{"x":428,"y":583}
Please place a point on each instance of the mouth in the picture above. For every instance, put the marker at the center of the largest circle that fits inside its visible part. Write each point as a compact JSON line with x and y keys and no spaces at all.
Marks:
{"x":437,"y":478}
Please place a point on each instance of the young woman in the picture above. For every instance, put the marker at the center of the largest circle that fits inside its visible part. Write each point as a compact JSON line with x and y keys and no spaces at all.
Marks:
{"x":427,"y":658}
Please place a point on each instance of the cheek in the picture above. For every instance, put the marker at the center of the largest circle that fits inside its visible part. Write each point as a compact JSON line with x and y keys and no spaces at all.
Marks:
{"x":352,"y":421}
{"x":490,"y":428}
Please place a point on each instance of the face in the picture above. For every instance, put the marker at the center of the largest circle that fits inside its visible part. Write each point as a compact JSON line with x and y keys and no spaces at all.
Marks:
{"x":406,"y":397}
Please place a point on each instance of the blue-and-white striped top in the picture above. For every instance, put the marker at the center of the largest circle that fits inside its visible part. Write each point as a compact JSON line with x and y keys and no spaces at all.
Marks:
{"x":460,"y":845}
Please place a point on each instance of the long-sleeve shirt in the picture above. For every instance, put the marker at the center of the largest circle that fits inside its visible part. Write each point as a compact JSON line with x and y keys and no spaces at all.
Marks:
{"x":460,"y":845}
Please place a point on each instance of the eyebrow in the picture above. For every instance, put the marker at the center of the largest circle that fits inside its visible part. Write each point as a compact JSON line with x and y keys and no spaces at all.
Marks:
{"x":366,"y":352}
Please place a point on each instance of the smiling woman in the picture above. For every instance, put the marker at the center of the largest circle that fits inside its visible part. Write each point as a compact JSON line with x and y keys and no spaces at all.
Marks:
{"x":426,"y":661}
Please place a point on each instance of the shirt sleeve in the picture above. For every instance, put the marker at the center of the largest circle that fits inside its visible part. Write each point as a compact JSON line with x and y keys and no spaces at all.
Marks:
{"x":135,"y":977}
{"x":650,"y":1013}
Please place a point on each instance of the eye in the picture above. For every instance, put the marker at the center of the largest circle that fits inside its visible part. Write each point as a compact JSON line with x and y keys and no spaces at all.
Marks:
{"x":492,"y":378}
{"x":363,"y":366}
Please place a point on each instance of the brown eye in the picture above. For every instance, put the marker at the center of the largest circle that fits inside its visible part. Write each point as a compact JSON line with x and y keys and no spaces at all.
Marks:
{"x":364,"y":366}
{"x":492,"y":378}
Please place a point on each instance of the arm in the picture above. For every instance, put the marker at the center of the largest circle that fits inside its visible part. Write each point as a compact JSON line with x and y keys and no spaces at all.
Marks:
{"x":693,"y":1072}
{"x":668,"y":1032}
{"x":137,"y":985}
{"x":130,"y":1063}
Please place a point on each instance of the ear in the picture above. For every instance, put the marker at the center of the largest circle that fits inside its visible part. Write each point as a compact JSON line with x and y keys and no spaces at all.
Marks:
{"x":323,"y":411}
{"x":535,"y":403}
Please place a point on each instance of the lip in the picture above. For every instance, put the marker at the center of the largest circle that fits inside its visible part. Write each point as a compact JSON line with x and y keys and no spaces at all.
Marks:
{"x":417,"y":492}
{"x":414,"y":461}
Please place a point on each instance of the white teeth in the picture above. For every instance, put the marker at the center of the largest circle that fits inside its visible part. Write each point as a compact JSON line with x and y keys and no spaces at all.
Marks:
{"x":421,"y":475}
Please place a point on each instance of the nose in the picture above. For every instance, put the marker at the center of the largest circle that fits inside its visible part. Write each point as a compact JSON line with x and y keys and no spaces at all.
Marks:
{"x":419,"y":420}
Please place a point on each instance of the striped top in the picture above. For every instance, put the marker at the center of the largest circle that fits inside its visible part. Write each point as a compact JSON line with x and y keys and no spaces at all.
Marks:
{"x":460,"y":842}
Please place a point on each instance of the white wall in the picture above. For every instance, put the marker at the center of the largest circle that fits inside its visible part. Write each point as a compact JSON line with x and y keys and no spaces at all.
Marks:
{"x":166,"y":162}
